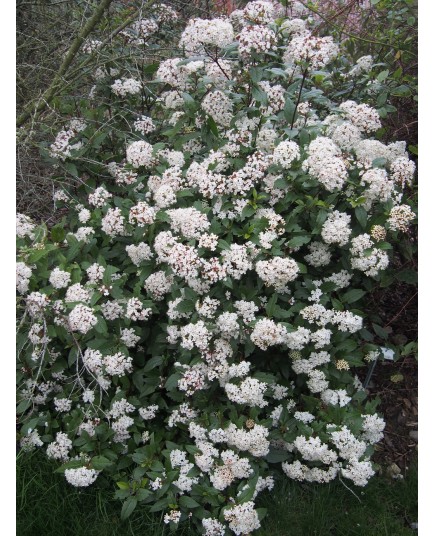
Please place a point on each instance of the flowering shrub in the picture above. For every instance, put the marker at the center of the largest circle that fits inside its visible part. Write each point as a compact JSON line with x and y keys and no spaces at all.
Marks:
{"x":193,"y":329}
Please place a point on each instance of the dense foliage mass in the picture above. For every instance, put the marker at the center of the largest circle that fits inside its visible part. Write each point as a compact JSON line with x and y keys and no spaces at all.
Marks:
{"x":192,"y":328}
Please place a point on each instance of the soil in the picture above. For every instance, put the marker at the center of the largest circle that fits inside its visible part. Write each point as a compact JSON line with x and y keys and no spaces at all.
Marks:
{"x":397,"y":306}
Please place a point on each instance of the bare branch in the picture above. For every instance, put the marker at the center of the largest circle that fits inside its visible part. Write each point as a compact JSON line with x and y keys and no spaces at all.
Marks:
{"x":50,"y":92}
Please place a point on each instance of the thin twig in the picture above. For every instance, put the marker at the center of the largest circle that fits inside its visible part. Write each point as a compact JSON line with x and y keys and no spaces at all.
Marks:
{"x":400,"y":311}
{"x":349,"y":489}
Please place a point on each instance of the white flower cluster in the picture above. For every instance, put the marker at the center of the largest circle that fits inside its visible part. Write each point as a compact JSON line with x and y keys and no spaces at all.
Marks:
{"x":319,"y":255}
{"x":207,"y":308}
{"x":157,"y":285}
{"x":336,"y":228}
{"x":250,"y":392}
{"x":370,"y":263}
{"x":275,"y":100}
{"x":297,"y":471}
{"x":219,"y":107}
{"x":95,"y":272}
{"x":293,"y":26}
{"x":164,"y":13}
{"x":126,"y":86}
{"x":139,"y":153}
{"x":267,"y":333}
{"x":265,"y":139}
{"x":345,"y":320}
{"x":337,"y":397}
{"x":306,"y":366}
{"x":145,"y":28}
{"x":77,"y":293}
{"x":380,"y":187}
{"x":233,"y":468}
{"x":340,"y":279}
{"x":400,"y":217}
{"x":363,"y":65}
{"x":136,"y":311}
{"x":277,"y":272}
{"x":201,"y":34}
{"x":285,"y":153}
{"x":172,"y":73}
{"x":195,"y":335}
{"x":23,"y":275}
{"x":36,"y":302}
{"x":189,"y":222}
{"x":30,"y":441}
{"x":129,"y":337}
{"x":178,"y":459}
{"x":62,"y":404}
{"x":316,"y":52}
{"x":237,"y":260}
{"x":403,"y":169}
{"x":99,"y":197}
{"x":373,"y":427}
{"x":60,"y":279}
{"x":91,"y":45}
{"x":112,"y":310}
{"x":242,"y":181}
{"x":122,"y":174}
{"x":363,"y":116}
{"x":227,"y":324}
{"x":256,"y":39}
{"x":193,"y":379}
{"x":82,"y":319}
{"x":173,"y":517}
{"x":24,"y":226}
{"x":242,"y":518}
{"x":148,"y":412}
{"x":346,"y":135}
{"x":254,"y":441}
{"x":59,"y":449}
{"x":313,"y":449}
{"x":144,"y":125}
{"x":259,"y":12}
{"x":81,"y":477}
{"x":324,"y":162}
{"x":247,"y":310}
{"x":213,"y":527}
{"x":113,"y":222}
{"x":142,"y":214}
{"x":297,"y":340}
{"x":139,"y":253}
{"x":61,"y":148}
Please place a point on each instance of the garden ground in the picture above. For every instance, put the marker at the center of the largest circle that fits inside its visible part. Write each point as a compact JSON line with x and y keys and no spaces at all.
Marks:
{"x":47,"y":505}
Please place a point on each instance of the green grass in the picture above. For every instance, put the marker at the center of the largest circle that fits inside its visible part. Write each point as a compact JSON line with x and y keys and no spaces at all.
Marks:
{"x":385,"y":508}
{"x":48,"y":506}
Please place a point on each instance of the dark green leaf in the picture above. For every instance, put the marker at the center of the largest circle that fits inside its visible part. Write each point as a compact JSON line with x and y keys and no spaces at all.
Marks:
{"x":128,"y":507}
{"x":100,"y":462}
{"x":153,"y":363}
{"x":362,"y":216}
{"x":380,"y":331}
{"x":408,"y":276}
{"x":298,"y":241}
{"x":353,"y":295}
{"x":73,"y":464}
{"x":271,"y":305}
{"x":188,"y":502}
{"x":277,"y":455}
{"x":58,"y":233}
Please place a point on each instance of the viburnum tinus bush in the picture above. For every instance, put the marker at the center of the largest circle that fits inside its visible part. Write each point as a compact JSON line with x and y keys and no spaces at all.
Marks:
{"x":195,"y":325}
